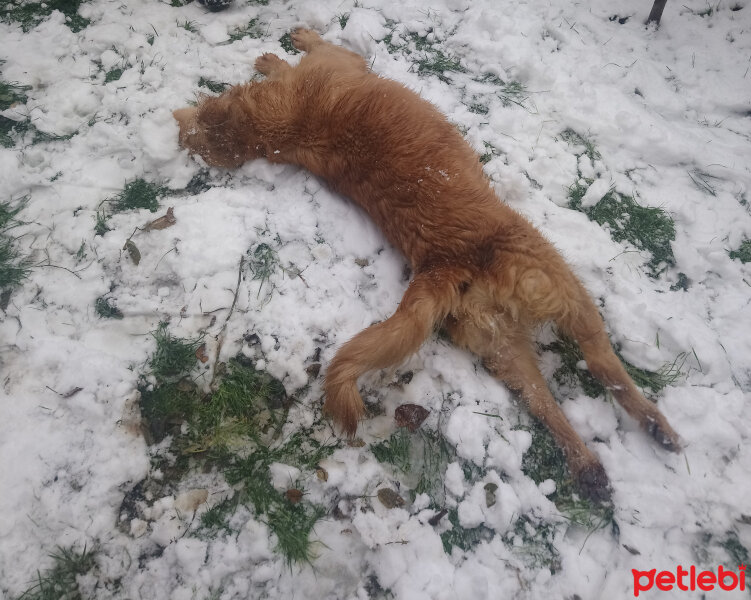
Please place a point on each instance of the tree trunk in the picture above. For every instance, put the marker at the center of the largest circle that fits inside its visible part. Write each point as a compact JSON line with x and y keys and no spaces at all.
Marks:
{"x":656,"y":13}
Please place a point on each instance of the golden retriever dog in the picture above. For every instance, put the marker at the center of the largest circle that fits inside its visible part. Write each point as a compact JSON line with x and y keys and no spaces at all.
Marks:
{"x":480,"y":270}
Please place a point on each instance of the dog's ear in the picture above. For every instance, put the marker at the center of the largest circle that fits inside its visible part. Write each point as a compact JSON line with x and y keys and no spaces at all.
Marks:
{"x":221,"y":113}
{"x":225,"y":130}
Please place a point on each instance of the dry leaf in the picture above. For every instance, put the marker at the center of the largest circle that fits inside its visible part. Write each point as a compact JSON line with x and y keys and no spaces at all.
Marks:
{"x":133,"y":251}
{"x":355,"y":443}
{"x":490,"y":489}
{"x":389,"y":498}
{"x":201,"y":353}
{"x":293,"y":495}
{"x":162,"y":222}
{"x":410,"y":416}
{"x":189,"y":501}
{"x":322,"y":474}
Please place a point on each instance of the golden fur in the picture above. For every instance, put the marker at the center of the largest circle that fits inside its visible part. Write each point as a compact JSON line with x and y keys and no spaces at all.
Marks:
{"x":480,"y":269}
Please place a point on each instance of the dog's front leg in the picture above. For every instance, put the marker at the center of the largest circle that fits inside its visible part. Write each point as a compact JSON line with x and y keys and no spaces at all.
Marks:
{"x":271,"y":65}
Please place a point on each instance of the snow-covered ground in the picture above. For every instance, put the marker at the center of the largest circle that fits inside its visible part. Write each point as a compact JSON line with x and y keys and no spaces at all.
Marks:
{"x":669,"y":113}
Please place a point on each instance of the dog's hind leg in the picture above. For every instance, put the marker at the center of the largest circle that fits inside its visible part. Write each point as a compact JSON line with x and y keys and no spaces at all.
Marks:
{"x":425,"y":303}
{"x":309,"y":41}
{"x":507,"y":353}
{"x":585,"y":325}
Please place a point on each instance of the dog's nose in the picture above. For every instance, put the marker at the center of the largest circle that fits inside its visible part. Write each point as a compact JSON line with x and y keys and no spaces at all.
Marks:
{"x":182,"y":115}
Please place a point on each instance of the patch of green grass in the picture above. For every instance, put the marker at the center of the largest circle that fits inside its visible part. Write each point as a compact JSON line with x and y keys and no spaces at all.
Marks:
{"x":490,"y":152}
{"x":10,"y":130}
{"x":213,"y":86}
{"x":248,"y":405}
{"x":60,"y":581}
{"x":462,"y":538}
{"x":439,"y":63}
{"x":425,"y":54}
{"x":12,"y":93}
{"x":571,"y":375}
{"x":478,"y":108}
{"x":188,"y":26}
{"x":508,"y":92}
{"x":569,"y":372}
{"x":101,"y":226}
{"x":738,"y":553}
{"x":105,"y":309}
{"x":433,"y":60}
{"x":648,"y":229}
{"x":286,"y":42}
{"x":14,"y":266}
{"x":421,"y":457}
{"x":343,"y":19}
{"x":395,"y":451}
{"x":291,"y":522}
{"x":536,"y":549}
{"x":217,"y":518}
{"x":138,"y":193}
{"x":199,"y":183}
{"x":233,"y":429}
{"x":743,"y":253}
{"x":545,"y":460}
{"x":253,"y":29}
{"x":30,"y":14}
{"x":582,"y":143}
{"x":174,"y":357}
{"x":262,"y":261}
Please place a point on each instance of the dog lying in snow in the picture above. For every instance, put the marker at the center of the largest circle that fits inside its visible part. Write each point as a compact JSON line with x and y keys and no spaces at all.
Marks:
{"x":480,"y":269}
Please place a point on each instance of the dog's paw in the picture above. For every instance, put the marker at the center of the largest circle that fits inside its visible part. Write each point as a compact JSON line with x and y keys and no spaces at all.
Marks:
{"x":593,"y":483}
{"x":305,"y":39}
{"x":664,"y":435}
{"x":268,"y":63}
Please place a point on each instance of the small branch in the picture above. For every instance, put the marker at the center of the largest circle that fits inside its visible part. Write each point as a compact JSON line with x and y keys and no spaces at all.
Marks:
{"x":220,"y":336}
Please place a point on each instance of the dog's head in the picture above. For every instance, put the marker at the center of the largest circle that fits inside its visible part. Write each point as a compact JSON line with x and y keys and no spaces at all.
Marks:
{"x":219,"y":130}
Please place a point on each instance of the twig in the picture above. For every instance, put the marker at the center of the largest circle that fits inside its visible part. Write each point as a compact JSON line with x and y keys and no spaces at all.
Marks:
{"x":163,"y":255}
{"x":220,"y":336}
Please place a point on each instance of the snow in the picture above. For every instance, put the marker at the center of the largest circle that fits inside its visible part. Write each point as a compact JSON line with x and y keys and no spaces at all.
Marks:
{"x":662,"y":106}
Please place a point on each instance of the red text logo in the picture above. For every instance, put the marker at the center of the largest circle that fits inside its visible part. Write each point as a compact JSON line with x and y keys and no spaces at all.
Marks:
{"x":724,"y":579}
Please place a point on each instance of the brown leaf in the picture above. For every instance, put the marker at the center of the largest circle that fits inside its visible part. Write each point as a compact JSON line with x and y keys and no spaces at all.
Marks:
{"x":162,"y":222}
{"x":355,"y":443}
{"x":490,"y":489}
{"x":313,"y":370}
{"x":135,"y":254}
{"x":322,"y":474}
{"x":293,"y":495}
{"x":389,"y":498}
{"x":201,"y":353}
{"x":410,"y":416}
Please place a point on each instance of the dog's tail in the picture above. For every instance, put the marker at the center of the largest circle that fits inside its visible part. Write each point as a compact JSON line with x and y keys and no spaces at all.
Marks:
{"x":428,"y":299}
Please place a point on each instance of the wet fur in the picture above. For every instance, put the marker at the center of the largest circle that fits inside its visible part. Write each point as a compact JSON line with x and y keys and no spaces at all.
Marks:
{"x":481,"y":270}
